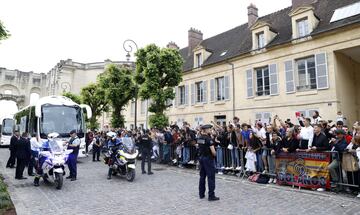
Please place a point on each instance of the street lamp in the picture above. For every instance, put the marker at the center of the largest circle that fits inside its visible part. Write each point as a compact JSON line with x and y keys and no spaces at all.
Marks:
{"x":128,"y":46}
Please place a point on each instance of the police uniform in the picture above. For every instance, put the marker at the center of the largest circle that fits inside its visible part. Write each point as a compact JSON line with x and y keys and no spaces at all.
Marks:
{"x":72,"y":159}
{"x":207,"y":165}
{"x":146,"y":143}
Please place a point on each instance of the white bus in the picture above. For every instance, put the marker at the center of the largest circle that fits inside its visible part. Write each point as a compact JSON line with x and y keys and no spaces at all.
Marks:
{"x":7,"y":127}
{"x":54,"y":114}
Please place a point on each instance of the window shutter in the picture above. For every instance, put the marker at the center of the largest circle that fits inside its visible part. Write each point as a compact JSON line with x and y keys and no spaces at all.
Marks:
{"x":176,"y":96}
{"x":227,"y":87}
{"x":212,"y":90}
{"x":289,"y":77}
{"x":205,"y":92}
{"x":186,"y":94}
{"x":322,"y":78}
{"x":193,"y":94}
{"x":274,"y":86}
{"x":249,"y":83}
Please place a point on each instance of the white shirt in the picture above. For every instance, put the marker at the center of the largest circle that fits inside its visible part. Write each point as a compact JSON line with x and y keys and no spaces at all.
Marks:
{"x":307,"y":133}
{"x":35,"y":144}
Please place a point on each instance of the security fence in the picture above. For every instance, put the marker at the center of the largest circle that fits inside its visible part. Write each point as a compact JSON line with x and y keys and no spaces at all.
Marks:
{"x":328,"y":170}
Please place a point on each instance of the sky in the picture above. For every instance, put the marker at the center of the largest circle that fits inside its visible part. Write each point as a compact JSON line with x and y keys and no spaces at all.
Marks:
{"x":44,"y":32}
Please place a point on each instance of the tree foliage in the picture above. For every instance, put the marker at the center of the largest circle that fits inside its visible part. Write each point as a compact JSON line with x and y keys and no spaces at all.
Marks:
{"x":4,"y":34}
{"x":119,"y":86}
{"x":94,"y":96}
{"x":158,"y":71}
{"x":76,"y":98}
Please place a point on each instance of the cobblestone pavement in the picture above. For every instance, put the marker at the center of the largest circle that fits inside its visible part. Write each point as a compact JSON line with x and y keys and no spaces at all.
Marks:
{"x":169,"y":191}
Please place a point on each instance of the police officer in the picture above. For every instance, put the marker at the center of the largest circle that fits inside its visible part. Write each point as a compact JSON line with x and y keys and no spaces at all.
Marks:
{"x":113,"y":144}
{"x":146,"y":144}
{"x":207,"y":154}
{"x":74,"y":144}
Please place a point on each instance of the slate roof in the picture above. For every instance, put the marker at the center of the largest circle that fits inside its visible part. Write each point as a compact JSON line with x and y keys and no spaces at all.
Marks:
{"x":238,"y":41}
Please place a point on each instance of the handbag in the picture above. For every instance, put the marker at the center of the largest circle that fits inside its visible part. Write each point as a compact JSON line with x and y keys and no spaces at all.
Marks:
{"x":230,"y":147}
{"x":349,"y":163}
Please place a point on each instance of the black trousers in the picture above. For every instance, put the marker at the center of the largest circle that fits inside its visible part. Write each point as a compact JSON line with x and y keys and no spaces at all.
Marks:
{"x":11,"y":161}
{"x":146,"y":156}
{"x":20,"y":166}
{"x":96,"y":152}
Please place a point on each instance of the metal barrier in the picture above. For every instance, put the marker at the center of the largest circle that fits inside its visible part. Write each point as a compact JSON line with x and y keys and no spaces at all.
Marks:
{"x":343,"y":167}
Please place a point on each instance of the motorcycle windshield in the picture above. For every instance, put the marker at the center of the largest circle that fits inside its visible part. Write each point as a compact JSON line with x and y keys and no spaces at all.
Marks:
{"x":55,"y":146}
{"x":128,"y":144}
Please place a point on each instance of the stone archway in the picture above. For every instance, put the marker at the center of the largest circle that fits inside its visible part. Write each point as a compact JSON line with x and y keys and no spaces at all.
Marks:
{"x":12,"y":93}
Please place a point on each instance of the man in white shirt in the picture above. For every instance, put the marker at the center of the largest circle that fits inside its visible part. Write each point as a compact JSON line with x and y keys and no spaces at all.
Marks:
{"x":35,"y":144}
{"x":306,"y":135}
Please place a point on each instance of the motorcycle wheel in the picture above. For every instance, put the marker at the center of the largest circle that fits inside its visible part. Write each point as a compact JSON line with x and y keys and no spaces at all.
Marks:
{"x":58,"y":180}
{"x":130,"y":175}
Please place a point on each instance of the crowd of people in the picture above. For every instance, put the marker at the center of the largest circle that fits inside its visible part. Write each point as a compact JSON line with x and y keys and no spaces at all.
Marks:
{"x":254,"y":147}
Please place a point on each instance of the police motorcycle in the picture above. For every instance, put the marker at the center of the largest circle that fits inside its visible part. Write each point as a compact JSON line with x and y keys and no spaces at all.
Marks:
{"x":124,"y":161}
{"x":54,"y":159}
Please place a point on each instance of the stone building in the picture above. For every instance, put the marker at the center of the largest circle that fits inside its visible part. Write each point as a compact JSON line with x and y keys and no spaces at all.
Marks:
{"x":300,"y":59}
{"x":18,"y":86}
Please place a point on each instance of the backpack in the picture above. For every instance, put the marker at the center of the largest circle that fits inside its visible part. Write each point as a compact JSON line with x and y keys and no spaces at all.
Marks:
{"x":263,"y":179}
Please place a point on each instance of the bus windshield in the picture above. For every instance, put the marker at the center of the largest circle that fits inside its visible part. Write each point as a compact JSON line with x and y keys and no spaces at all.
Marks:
{"x":7,"y":126}
{"x":61,"y":119}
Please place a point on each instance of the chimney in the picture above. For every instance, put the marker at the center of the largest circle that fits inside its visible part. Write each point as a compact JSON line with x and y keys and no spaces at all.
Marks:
{"x":298,"y":3}
{"x":195,"y":38}
{"x":252,"y":14}
{"x":172,"y":45}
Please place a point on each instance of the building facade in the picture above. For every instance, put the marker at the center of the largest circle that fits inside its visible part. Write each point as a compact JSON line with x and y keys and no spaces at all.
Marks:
{"x":300,"y":59}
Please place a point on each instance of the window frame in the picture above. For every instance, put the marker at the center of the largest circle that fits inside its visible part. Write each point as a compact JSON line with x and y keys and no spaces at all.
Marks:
{"x":200,"y":92}
{"x":308,"y":85}
{"x":264,"y":92}
{"x":260,"y":37}
{"x":302,"y":26}
{"x":220,"y":93}
{"x":181,"y":95}
{"x":199,"y":59}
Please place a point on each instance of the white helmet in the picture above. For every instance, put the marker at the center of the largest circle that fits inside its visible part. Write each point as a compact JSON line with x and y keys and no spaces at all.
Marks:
{"x":53,"y":135}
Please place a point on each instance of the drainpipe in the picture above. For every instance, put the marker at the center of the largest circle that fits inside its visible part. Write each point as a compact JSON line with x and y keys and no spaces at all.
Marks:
{"x":233,"y":86}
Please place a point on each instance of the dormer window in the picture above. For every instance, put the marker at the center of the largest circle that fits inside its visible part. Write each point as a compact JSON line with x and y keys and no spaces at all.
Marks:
{"x":262,"y":35}
{"x":260,"y":40}
{"x":302,"y":27}
{"x":303,"y":21}
{"x":199,"y":60}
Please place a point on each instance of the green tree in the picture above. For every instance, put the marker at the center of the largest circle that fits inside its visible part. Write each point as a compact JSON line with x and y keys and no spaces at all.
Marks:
{"x":158,"y":71}
{"x":94,"y":96}
{"x":119,"y":86}
{"x":76,"y":98}
{"x":4,"y":34}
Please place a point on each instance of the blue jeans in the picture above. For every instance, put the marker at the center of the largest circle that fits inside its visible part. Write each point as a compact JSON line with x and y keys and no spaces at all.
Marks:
{"x":235,"y":161}
{"x":166,"y":152}
{"x":259,"y":163}
{"x":185,"y":155}
{"x":219,"y":157}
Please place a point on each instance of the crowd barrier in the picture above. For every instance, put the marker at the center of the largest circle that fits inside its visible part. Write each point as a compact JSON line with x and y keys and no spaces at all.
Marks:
{"x":302,"y":169}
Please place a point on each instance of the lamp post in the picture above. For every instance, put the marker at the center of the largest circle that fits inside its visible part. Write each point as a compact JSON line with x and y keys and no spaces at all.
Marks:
{"x":128,"y":46}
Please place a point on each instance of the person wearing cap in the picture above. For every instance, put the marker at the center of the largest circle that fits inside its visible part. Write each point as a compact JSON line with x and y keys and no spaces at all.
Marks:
{"x":74,"y":144}
{"x":12,"y":158}
{"x":146,"y":144}
{"x":207,"y":154}
{"x":338,"y":146}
